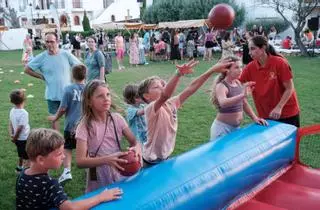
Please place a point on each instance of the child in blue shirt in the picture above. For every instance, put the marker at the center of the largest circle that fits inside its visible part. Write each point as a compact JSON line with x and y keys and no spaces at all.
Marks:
{"x":135,"y":112}
{"x":70,"y":107}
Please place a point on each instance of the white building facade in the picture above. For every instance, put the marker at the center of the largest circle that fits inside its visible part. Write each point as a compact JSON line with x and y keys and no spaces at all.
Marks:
{"x":70,"y":13}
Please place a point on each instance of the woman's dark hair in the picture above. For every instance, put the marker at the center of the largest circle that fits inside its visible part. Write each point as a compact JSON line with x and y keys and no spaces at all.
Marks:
{"x":261,"y":41}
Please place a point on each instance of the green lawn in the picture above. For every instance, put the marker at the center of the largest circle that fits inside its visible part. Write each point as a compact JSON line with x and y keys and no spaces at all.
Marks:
{"x":195,"y":117}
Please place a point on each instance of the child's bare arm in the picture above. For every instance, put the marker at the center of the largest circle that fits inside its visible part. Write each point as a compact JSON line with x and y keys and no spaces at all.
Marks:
{"x":198,"y":82}
{"x":173,"y":82}
{"x":84,"y":161}
{"x":10,"y":129}
{"x":249,"y":111}
{"x":134,"y":144}
{"x":61,"y":111}
{"x":221,"y":94}
{"x":104,"y":196}
{"x":16,"y":136}
{"x":168,"y":91}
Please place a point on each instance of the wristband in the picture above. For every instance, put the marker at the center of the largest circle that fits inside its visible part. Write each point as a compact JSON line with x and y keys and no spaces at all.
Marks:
{"x":178,"y":73}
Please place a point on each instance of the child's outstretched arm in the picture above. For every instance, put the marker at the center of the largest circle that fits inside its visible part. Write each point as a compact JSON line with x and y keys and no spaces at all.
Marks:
{"x":248,"y":110}
{"x":104,"y":196}
{"x":198,"y":82}
{"x":173,"y":82}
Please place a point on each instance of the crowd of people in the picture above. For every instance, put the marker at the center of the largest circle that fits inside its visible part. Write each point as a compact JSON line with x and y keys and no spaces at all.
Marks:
{"x":95,"y":131}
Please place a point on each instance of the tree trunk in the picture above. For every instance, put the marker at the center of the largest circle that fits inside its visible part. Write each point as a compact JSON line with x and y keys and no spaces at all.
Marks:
{"x":301,"y":46}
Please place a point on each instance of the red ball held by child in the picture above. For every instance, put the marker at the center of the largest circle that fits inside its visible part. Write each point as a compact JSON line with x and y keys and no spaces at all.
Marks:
{"x":132,"y":166}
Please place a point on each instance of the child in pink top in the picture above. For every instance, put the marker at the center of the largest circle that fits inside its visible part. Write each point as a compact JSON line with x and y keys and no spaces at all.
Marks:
{"x":119,"y":44}
{"x":161,"y":111}
{"x":98,"y":137}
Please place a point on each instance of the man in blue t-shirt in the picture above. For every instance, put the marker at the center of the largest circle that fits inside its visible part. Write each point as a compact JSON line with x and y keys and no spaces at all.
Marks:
{"x":53,"y":66}
{"x":70,"y":107}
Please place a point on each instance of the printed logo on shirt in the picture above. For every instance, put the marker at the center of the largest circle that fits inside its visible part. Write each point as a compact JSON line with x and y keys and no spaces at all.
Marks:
{"x":76,"y":95}
{"x":272,"y":75}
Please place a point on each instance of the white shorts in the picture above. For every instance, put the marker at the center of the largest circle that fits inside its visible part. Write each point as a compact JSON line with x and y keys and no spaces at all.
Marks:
{"x":219,"y":129}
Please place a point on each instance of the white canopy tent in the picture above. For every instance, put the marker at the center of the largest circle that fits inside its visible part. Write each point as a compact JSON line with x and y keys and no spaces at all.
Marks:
{"x":183,"y":24}
{"x":109,"y":26}
{"x":121,"y":25}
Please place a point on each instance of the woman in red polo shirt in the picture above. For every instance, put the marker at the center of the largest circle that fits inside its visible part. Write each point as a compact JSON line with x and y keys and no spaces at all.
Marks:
{"x":274,"y":94}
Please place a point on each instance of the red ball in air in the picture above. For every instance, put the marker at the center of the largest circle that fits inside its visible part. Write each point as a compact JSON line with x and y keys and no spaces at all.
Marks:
{"x":221,"y":16}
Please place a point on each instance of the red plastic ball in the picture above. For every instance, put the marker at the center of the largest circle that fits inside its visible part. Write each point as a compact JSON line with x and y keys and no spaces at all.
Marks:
{"x":221,"y":16}
{"x":132,"y":166}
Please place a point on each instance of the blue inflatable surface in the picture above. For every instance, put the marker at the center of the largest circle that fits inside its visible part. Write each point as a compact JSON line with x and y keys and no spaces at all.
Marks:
{"x":211,"y":175}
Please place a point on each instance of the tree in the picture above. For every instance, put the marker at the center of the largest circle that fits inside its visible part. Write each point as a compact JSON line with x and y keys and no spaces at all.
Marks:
{"x":300,"y":9}
{"x":86,"y":22}
{"x":174,"y":10}
{"x":10,"y":15}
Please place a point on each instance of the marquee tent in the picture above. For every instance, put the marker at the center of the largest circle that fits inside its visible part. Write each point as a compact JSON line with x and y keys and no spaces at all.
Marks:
{"x":184,"y":24}
{"x":121,"y":25}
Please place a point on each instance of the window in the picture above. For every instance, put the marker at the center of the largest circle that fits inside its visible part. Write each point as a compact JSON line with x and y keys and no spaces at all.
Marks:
{"x":63,"y":21}
{"x":23,"y":5}
{"x":106,"y":3}
{"x":24,"y":21}
{"x":76,"y":20}
{"x":77,"y":3}
{"x":113,"y":18}
{"x":59,"y":4}
{"x":44,"y":4}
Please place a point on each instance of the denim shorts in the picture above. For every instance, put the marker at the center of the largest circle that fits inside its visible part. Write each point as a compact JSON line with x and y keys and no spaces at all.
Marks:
{"x":53,"y":106}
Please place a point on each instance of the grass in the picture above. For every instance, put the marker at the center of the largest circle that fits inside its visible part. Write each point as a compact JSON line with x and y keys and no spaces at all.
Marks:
{"x":195,"y":117}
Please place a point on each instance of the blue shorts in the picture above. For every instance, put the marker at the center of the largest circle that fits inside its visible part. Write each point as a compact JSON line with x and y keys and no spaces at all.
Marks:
{"x":53,"y":106}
